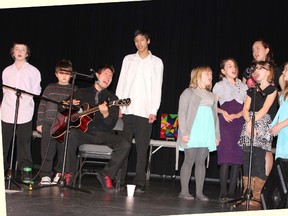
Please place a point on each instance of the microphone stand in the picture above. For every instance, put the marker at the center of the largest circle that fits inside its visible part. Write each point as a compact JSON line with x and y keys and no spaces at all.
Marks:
{"x":66,"y":138}
{"x":248,"y":194}
{"x":9,"y":175}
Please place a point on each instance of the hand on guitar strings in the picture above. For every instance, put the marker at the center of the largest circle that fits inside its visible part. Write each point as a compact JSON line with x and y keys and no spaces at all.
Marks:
{"x":103,"y":108}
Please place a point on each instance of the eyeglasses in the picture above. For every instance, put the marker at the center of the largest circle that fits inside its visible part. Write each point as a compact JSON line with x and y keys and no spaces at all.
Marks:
{"x":261,"y":67}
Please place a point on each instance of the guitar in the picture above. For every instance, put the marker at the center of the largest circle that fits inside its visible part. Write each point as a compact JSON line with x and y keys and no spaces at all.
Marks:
{"x":79,"y":119}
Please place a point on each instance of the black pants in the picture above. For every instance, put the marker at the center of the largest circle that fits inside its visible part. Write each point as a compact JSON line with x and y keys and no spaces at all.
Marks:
{"x":258,"y":162}
{"x":140,"y":128}
{"x":120,"y":147}
{"x":49,"y":148}
{"x":23,"y":143}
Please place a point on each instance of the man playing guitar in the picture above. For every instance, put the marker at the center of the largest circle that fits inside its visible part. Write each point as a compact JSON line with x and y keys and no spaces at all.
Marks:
{"x":99,"y":129}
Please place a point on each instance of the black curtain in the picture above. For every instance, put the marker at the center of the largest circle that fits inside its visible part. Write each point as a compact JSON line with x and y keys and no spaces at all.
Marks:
{"x":184,"y":34}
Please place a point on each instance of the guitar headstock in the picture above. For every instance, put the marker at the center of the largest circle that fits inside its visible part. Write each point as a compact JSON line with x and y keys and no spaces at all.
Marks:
{"x":122,"y":102}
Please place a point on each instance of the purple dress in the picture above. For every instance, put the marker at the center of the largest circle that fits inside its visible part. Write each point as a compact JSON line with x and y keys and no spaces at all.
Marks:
{"x":228,"y":150}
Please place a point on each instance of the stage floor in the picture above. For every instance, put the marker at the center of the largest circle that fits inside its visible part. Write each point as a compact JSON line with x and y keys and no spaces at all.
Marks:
{"x":160,"y":198}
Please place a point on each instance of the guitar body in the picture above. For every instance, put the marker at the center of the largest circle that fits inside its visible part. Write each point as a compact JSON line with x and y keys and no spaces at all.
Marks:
{"x":59,"y":128}
{"x":79,"y":120}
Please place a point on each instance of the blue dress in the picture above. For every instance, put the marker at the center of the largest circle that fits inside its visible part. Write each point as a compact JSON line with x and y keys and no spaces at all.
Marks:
{"x":198,"y":119}
{"x":202,"y":134}
{"x":203,"y":130}
{"x":282,"y":140}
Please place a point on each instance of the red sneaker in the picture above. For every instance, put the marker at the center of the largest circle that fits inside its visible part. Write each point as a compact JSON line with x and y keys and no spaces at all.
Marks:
{"x":68,"y":177}
{"x":106,"y":183}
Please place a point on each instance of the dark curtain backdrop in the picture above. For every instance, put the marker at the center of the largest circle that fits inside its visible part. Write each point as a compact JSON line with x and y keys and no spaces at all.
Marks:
{"x":184,"y":34}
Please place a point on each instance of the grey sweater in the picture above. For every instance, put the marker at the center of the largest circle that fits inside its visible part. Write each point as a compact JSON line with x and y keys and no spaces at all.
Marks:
{"x":188,"y":106}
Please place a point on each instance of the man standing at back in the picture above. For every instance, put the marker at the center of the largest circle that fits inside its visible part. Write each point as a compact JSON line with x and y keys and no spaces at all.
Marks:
{"x":141,"y":80}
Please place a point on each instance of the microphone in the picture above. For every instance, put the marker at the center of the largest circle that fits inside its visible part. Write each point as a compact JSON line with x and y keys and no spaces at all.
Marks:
{"x":94,"y":75}
{"x":250,"y":82}
{"x":248,"y":71}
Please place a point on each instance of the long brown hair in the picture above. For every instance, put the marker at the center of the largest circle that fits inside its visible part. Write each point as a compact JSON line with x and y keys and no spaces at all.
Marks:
{"x":269,"y":56}
{"x":222,"y":65}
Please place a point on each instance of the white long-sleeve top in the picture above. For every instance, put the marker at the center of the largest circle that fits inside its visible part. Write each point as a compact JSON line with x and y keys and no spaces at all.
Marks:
{"x":141,"y":81}
{"x":26,"y":78}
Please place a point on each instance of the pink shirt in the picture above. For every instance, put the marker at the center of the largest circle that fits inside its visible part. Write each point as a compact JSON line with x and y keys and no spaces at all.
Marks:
{"x":26,"y":78}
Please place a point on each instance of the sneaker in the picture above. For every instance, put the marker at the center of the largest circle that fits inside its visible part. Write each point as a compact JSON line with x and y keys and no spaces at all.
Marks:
{"x":56,"y":179}
{"x":46,"y":180}
{"x":106,"y":183}
{"x":68,"y":178}
{"x":202,"y":198}
{"x":186,"y":197}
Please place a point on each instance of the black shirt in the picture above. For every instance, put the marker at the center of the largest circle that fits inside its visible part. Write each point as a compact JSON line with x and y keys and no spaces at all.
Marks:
{"x":99,"y":123}
{"x":260,"y":100}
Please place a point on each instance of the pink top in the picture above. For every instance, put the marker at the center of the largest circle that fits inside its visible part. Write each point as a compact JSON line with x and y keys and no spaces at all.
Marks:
{"x":26,"y":78}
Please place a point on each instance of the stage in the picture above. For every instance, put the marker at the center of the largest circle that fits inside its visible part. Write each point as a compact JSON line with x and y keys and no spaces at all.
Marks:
{"x":160,"y":198}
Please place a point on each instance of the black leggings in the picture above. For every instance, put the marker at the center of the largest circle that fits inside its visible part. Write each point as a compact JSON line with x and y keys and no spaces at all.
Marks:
{"x":224,"y":172}
{"x":258,"y":162}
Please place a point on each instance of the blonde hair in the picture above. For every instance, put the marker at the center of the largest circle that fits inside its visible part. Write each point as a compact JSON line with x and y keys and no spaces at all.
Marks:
{"x":285,"y":90}
{"x":196,"y":77}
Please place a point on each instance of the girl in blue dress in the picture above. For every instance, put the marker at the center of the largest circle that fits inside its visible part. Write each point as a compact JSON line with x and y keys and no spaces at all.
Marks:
{"x":198,"y":129}
{"x":280,"y":122}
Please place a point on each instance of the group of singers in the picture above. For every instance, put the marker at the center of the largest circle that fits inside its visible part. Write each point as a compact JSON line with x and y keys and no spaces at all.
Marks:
{"x":221,"y":118}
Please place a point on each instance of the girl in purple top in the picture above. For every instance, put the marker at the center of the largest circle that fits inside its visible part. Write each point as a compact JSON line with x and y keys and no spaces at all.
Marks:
{"x":231,"y":94}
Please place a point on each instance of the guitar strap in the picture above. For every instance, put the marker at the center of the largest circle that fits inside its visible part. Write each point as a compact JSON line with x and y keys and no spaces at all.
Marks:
{"x":97,"y":97}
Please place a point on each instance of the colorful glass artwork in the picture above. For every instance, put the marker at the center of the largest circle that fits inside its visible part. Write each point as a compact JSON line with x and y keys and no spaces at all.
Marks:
{"x":169,"y":126}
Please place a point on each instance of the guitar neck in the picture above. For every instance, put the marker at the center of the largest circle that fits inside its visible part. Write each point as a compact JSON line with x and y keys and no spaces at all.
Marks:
{"x":93,"y":110}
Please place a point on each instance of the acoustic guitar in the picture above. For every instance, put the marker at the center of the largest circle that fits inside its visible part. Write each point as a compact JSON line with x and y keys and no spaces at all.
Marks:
{"x":79,"y":119}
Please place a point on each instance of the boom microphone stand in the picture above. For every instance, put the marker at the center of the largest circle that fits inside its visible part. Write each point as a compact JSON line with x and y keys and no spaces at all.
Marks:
{"x":66,"y":139}
{"x":248,"y":194}
{"x":9,"y":176}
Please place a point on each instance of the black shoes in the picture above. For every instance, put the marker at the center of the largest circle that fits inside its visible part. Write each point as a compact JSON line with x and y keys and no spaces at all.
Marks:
{"x":225,"y":199}
{"x":122,"y":186}
{"x":140,"y":189}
